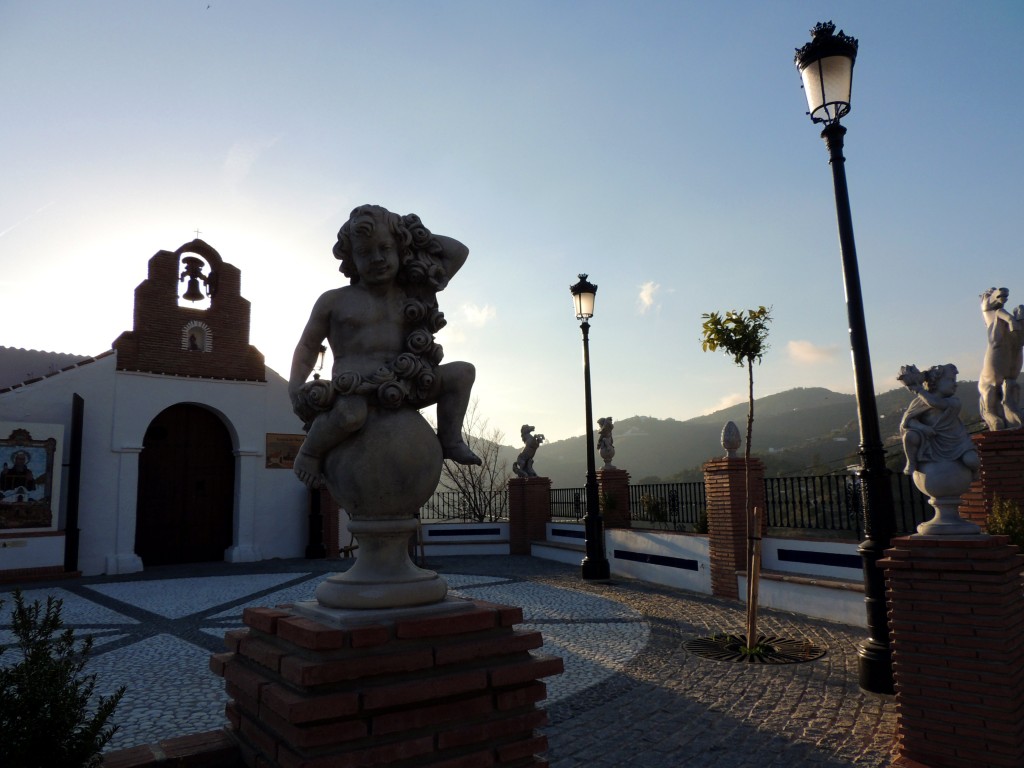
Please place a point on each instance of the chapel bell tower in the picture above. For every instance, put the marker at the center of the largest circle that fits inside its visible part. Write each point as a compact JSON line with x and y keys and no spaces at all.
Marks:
{"x":191,"y":320}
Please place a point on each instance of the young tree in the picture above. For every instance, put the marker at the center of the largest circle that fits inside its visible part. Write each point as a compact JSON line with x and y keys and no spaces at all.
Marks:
{"x":743,"y":335}
{"x":481,"y":488}
{"x":47,"y":713}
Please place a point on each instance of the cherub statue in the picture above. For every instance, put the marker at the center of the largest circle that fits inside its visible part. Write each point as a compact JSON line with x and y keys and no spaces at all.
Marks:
{"x":381,"y":331}
{"x":931,"y":426}
{"x":940,"y":454}
{"x":998,"y":385}
{"x":604,"y":441}
{"x":523,"y":466}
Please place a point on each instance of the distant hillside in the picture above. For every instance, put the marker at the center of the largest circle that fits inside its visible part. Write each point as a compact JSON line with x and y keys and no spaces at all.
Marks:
{"x":800,"y":431}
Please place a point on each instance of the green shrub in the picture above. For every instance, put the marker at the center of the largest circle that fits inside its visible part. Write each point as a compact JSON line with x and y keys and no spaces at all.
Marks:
{"x":701,"y":525}
{"x":46,"y":717}
{"x":1007,"y":519}
{"x":654,"y":510}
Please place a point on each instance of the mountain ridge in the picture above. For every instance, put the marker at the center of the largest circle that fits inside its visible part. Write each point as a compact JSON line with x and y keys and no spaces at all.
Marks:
{"x":801,"y":431}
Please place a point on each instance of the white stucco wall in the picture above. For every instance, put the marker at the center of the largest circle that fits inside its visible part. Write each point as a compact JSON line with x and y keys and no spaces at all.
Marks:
{"x":270,"y":504}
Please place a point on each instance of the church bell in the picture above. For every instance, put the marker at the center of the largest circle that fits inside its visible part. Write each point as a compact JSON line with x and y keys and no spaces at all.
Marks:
{"x":194,"y":273}
{"x":193,"y":292}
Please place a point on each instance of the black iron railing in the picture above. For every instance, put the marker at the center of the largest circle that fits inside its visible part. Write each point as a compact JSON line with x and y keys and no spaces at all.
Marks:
{"x":668,"y":506}
{"x":823,"y":503}
{"x":832,"y":503}
{"x":568,"y":504}
{"x":480,"y":507}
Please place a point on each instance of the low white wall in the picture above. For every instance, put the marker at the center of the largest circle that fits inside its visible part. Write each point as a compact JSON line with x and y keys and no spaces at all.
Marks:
{"x":682,"y":561}
{"x":813,"y":557}
{"x":674,"y":559}
{"x":820,"y":601}
{"x":441,"y":539}
{"x":18,"y":552}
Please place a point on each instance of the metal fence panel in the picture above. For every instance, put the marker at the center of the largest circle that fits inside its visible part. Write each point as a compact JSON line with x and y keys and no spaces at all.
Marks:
{"x":669,"y":506}
{"x":568,"y":504}
{"x":481,"y":507}
{"x":834,"y":503}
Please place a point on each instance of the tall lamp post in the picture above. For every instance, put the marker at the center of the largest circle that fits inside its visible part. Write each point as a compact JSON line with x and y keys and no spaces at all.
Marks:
{"x":595,"y":564}
{"x":826,"y":68}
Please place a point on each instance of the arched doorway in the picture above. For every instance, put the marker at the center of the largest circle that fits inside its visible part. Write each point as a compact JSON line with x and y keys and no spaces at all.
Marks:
{"x":186,"y":488}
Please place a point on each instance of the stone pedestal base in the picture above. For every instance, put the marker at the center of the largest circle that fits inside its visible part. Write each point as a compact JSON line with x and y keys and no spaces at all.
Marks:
{"x":725,"y":483}
{"x":451,"y":685}
{"x":383,"y":576}
{"x":956,"y":619}
{"x":529,"y":512}
{"x":613,"y":485}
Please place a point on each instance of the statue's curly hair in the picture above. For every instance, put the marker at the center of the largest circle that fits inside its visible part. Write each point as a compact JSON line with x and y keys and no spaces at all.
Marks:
{"x":363,"y":221}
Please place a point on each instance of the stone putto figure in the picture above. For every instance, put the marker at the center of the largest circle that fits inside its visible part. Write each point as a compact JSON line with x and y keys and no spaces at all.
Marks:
{"x":523,"y":466}
{"x":366,"y":440}
{"x":941,"y":457}
{"x":998,"y":385}
{"x":604,"y":441}
{"x":381,"y":331}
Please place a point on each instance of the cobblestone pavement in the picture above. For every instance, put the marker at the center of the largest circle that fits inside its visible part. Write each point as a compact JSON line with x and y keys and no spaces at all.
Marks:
{"x":631,"y":694}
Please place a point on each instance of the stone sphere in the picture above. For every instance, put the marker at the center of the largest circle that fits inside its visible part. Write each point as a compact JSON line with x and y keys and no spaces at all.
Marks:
{"x":386,"y":470}
{"x":942,"y":479}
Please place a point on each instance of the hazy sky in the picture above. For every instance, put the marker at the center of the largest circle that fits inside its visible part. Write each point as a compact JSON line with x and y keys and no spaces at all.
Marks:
{"x":661,"y":147}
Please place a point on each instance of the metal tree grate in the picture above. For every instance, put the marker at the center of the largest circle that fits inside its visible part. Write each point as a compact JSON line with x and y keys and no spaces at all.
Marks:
{"x":770,"y":649}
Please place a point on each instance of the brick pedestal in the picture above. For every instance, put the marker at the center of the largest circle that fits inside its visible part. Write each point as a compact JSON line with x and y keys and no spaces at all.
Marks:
{"x":529,"y":512}
{"x":725,"y":489}
{"x":956,"y":619}
{"x":455,"y":689}
{"x":613,"y":487}
{"x":1002,"y":474}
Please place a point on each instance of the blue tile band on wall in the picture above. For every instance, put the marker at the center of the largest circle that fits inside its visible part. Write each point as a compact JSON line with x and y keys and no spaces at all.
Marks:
{"x":812,"y":557}
{"x":446,"y":532}
{"x":569,"y":533}
{"x":668,"y":562}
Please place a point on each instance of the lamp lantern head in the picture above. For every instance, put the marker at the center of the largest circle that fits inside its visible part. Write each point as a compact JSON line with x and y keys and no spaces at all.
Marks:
{"x":826,"y":68}
{"x":583,"y":294}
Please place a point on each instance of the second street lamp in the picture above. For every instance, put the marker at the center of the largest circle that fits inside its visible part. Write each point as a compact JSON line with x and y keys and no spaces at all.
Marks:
{"x":595,"y":564}
{"x":826,"y":68}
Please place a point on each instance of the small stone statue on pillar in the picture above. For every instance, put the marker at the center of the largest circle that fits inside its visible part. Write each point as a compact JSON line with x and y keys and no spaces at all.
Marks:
{"x":523,"y":466}
{"x":731,"y":439}
{"x":604,"y":441}
{"x":998,"y":385}
{"x":941,"y":457}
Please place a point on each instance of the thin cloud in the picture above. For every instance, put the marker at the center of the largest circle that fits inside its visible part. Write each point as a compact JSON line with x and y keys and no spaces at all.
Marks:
{"x":478,"y":316}
{"x":242,"y":157}
{"x":806,"y":353}
{"x":727,"y":401}
{"x":31,"y":216}
{"x":646,"y":298}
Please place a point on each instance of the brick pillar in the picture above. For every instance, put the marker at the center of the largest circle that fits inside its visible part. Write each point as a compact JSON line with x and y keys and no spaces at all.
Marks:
{"x":1002,"y":474}
{"x":613,"y":487}
{"x":725,"y":489}
{"x":529,"y":512}
{"x":455,"y":685}
{"x":956,"y":620}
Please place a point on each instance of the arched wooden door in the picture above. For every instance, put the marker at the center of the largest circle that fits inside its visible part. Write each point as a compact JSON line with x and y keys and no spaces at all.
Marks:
{"x":186,"y":488}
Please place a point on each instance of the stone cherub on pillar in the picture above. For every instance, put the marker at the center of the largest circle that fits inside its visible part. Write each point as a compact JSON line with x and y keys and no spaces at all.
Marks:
{"x":998,"y":385}
{"x":941,"y":457}
{"x":366,"y":439}
{"x":381,"y":331}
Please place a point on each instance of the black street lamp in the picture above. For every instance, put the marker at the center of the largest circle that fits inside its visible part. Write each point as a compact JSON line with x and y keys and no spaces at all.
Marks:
{"x":595,"y":564}
{"x":826,"y":67}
